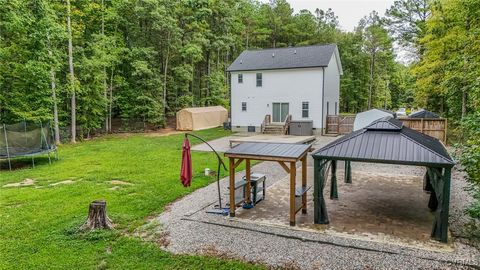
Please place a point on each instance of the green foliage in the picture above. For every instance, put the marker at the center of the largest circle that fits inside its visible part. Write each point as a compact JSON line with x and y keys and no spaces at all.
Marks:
{"x":470,"y":157}
{"x":447,"y":75}
{"x":148,"y":59}
{"x":406,"y":20}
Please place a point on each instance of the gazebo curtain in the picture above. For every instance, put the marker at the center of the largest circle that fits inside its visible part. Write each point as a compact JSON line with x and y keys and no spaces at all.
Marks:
{"x":439,"y":179}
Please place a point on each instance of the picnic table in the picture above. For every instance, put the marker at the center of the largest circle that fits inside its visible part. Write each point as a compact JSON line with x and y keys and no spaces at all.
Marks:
{"x":286,"y":154}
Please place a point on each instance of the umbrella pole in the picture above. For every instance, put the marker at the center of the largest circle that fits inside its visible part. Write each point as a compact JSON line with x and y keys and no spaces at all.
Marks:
{"x":218,"y":187}
{"x":220,"y":162}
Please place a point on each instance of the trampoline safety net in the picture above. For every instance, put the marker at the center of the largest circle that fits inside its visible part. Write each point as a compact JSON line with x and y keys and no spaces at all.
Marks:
{"x":25,"y":139}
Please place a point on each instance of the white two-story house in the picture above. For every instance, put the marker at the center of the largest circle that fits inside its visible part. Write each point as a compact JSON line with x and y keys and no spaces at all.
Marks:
{"x":303,"y":82}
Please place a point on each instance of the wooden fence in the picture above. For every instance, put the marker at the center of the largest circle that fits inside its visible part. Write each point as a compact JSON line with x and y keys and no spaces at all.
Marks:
{"x":340,"y":124}
{"x":434,"y":127}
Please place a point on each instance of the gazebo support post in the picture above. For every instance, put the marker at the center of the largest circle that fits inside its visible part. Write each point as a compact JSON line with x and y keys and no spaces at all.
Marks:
{"x":232,"y":186}
{"x":441,"y":186}
{"x":320,"y":209}
{"x":293,"y":174}
{"x":304,"y":184}
{"x":348,"y":172}
{"x":333,"y":184}
{"x":248,"y":185}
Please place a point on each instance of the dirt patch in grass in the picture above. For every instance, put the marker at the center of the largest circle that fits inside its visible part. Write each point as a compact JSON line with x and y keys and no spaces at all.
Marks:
{"x":26,"y":182}
{"x":120,"y":182}
{"x":66,"y":182}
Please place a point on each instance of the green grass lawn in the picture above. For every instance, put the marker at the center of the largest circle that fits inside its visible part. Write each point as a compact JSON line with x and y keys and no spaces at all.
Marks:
{"x":38,"y":224}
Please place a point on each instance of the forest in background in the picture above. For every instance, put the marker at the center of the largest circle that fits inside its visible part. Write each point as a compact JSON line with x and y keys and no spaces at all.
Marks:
{"x":84,"y":63}
{"x":145,"y":60}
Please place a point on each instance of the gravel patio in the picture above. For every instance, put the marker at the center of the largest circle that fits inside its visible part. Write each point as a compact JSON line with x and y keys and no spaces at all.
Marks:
{"x":373,"y":237}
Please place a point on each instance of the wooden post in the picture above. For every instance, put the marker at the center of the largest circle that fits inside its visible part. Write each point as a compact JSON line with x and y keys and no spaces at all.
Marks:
{"x":445,"y":132}
{"x":293,"y":175}
{"x":248,"y":178}
{"x":97,"y":217}
{"x":232,"y":186}
{"x":304,"y":184}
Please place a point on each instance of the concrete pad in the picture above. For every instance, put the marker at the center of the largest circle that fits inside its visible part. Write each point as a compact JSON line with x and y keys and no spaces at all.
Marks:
{"x":223,"y":144}
{"x":220,"y":145}
{"x":270,"y":138}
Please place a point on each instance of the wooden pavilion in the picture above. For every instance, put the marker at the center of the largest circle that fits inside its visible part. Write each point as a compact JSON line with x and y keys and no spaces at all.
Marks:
{"x":287,"y":155}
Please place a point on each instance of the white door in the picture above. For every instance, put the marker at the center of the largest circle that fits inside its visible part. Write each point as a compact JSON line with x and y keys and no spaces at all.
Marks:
{"x":280,"y":112}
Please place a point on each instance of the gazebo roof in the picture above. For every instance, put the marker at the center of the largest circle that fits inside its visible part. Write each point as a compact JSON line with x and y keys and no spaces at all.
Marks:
{"x":424,"y":114}
{"x":387,"y":141}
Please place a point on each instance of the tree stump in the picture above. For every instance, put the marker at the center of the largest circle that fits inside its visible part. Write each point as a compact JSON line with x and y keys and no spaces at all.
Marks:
{"x":97,"y":217}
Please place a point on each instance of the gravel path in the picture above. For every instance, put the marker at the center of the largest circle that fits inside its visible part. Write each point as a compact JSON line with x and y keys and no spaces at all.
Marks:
{"x":185,"y":228}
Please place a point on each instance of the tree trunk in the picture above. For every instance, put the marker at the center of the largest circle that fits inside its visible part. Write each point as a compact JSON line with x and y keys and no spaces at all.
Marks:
{"x":464,"y":102}
{"x":72,"y":78}
{"x":97,"y":217}
{"x":54,"y":97}
{"x":165,"y":80}
{"x":110,"y":101}
{"x":207,"y":94}
{"x":105,"y":88}
{"x":193,"y":79}
{"x":370,"y":87}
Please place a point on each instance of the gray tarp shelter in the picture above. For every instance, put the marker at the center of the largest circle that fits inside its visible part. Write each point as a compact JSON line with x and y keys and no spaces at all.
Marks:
{"x":387,"y":141}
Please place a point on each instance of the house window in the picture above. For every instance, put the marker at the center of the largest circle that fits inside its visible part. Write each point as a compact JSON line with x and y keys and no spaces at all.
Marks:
{"x":240,"y":78}
{"x":336,"y":109}
{"x":328,"y":109}
{"x":305,"y":109}
{"x":259,"y":79}
{"x":244,"y":106}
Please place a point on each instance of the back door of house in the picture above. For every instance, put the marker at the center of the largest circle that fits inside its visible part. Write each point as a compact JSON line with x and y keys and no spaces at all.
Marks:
{"x":280,"y":111}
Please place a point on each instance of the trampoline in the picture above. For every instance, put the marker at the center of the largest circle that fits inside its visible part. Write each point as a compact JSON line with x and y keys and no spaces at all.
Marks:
{"x":26,"y":140}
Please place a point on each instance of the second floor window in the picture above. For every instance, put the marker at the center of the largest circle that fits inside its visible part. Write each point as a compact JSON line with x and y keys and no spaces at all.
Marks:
{"x":259,"y":79}
{"x":240,"y":78}
{"x":305,"y":109}
{"x":244,"y":106}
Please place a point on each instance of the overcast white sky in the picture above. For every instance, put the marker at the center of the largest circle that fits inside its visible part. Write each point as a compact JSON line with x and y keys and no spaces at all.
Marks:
{"x":349,"y":12}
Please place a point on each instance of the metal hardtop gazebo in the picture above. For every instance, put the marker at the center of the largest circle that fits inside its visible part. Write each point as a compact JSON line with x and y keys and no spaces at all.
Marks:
{"x":424,"y":114}
{"x":387,"y":141}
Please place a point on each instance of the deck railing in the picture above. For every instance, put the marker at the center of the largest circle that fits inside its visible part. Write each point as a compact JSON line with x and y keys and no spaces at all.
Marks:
{"x":266,"y":120}
{"x":286,"y":124}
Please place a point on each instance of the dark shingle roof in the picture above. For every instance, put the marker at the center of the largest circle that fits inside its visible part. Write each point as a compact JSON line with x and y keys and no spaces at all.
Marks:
{"x":390,"y":144}
{"x":283,"y":58}
{"x":424,"y":114}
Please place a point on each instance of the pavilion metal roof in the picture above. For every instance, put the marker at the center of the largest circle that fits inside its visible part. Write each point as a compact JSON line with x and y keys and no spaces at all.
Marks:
{"x":387,"y":141}
{"x":270,"y":150}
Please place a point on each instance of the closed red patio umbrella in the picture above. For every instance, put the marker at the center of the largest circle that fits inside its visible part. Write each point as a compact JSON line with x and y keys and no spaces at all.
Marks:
{"x":186,"y":170}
